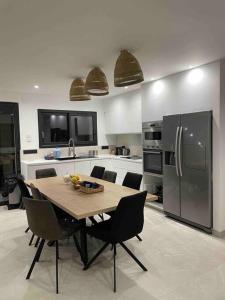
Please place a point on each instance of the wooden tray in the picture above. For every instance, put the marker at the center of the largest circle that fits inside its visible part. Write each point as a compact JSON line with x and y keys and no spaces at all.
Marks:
{"x":86,"y":190}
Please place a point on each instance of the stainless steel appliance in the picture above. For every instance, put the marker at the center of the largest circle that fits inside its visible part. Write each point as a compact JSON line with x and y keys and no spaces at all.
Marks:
{"x":152,"y":161}
{"x":152,"y":147}
{"x":187,"y":168}
{"x":152,"y":135}
{"x":9,"y":141}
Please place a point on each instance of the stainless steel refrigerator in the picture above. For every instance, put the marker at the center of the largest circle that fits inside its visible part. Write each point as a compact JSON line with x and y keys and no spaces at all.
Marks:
{"x":9,"y":141}
{"x":187,"y":168}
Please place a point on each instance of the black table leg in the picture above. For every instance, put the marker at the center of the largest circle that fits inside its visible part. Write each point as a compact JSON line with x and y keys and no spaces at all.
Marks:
{"x":83,"y":242}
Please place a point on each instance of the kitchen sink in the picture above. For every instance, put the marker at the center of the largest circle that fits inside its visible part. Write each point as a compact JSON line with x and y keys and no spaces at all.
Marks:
{"x":74,"y":157}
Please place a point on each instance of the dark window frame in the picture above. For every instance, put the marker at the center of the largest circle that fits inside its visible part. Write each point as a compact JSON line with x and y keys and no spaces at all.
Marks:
{"x":68,"y":113}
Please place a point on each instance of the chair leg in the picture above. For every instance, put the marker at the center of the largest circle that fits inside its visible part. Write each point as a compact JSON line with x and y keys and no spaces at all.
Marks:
{"x":37,"y":242}
{"x":133,"y":256}
{"x":139,"y":238}
{"x":93,"y":221}
{"x":56,"y":260}
{"x":114,"y":266}
{"x":51,"y":243}
{"x":95,"y":256}
{"x":101,"y":216}
{"x":31,"y":240}
{"x":28,"y":228}
{"x":39,"y":254}
{"x":36,"y":258}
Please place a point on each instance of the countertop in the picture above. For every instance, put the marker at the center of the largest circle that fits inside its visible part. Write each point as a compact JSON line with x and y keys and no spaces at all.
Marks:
{"x":54,"y":161}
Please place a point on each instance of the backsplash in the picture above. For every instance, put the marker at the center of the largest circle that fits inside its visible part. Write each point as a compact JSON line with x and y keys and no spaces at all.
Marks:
{"x":131,"y":141}
{"x":64,"y":152}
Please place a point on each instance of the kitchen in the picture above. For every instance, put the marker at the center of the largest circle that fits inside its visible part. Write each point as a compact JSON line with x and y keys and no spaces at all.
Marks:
{"x":169,"y":128}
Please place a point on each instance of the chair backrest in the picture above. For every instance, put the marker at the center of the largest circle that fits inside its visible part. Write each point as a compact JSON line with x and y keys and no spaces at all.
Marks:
{"x":42,"y":219}
{"x":132,"y":180}
{"x":109,"y":176}
{"x":128,"y":219}
{"x":97,"y":172}
{"x":36,"y":193}
{"x":23,"y":188}
{"x":44,"y":173}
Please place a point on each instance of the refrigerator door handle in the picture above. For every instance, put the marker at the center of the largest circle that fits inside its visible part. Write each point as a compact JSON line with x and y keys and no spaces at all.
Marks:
{"x":179,"y":151}
{"x":176,"y":150}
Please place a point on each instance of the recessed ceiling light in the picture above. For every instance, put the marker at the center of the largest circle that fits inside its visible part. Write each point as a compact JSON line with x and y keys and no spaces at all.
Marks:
{"x":126,"y":87}
{"x":158,"y":87}
{"x":190,"y":67}
{"x":195,"y":76}
{"x":36,"y":86}
{"x":152,"y":78}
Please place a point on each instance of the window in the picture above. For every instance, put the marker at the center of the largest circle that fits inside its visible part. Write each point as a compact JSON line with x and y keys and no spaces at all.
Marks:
{"x":57,"y":127}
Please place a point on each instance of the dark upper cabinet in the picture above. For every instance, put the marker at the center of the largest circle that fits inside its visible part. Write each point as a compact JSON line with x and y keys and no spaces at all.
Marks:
{"x":57,"y":127}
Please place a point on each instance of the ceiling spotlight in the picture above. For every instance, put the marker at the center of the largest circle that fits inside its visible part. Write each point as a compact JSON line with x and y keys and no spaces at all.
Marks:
{"x":36,"y":86}
{"x":126,"y":87}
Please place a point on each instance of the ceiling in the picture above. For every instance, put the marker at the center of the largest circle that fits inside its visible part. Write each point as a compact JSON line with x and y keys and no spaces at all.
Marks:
{"x":50,"y":42}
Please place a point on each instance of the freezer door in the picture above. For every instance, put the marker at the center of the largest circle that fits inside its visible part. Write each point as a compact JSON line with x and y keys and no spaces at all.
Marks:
{"x":196,"y":160}
{"x":171,"y":181}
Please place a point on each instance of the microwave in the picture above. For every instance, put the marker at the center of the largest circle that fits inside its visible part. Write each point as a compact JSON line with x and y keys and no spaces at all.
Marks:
{"x":152,"y":135}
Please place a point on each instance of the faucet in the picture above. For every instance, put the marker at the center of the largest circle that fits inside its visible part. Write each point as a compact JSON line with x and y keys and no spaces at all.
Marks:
{"x":71,"y":149}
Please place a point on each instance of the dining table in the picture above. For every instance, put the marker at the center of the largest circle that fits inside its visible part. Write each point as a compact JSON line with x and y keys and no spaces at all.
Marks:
{"x":81,"y":205}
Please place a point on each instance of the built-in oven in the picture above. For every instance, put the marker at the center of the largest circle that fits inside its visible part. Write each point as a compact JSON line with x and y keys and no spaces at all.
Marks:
{"x":153,"y":161}
{"x":152,"y":135}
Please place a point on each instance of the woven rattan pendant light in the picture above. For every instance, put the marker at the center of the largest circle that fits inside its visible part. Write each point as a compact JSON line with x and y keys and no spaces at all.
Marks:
{"x":78,"y":91}
{"x":96,"y":83}
{"x":127,"y":70}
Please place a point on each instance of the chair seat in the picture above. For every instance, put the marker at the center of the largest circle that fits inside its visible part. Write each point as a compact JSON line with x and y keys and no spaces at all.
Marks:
{"x":101,"y":230}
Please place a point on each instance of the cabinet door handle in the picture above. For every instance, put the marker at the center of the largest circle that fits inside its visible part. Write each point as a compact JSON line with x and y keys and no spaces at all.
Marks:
{"x":176,"y":150}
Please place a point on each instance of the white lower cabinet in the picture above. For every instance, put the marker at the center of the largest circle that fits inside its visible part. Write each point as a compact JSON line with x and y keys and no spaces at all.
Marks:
{"x":106,"y":163}
{"x":120,"y":166}
{"x":83,"y":167}
{"x":61,"y":169}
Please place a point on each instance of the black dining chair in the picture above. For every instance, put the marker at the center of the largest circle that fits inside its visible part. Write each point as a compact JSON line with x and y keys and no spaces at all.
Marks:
{"x":24,"y":192}
{"x":132,"y":180}
{"x":126,"y":222}
{"x":44,"y":173}
{"x":36,"y":194}
{"x":60,"y":214}
{"x":109,"y":176}
{"x":97,"y":172}
{"x":46,"y":227}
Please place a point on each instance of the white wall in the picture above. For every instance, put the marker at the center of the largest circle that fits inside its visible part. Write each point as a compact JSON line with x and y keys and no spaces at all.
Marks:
{"x":123,"y":113}
{"x":177,"y":94}
{"x":29,"y":103}
{"x":191,"y":92}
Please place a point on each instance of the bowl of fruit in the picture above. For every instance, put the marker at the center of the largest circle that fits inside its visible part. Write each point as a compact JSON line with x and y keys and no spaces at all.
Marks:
{"x":75,"y":179}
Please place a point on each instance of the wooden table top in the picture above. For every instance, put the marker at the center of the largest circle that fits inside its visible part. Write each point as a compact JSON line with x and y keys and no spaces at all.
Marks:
{"x":81,"y":205}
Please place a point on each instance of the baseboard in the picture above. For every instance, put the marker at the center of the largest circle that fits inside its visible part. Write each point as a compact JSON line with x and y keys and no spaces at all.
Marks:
{"x":219,"y":234}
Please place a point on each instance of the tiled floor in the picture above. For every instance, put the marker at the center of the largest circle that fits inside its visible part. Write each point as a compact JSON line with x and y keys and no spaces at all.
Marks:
{"x":183,"y":263}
